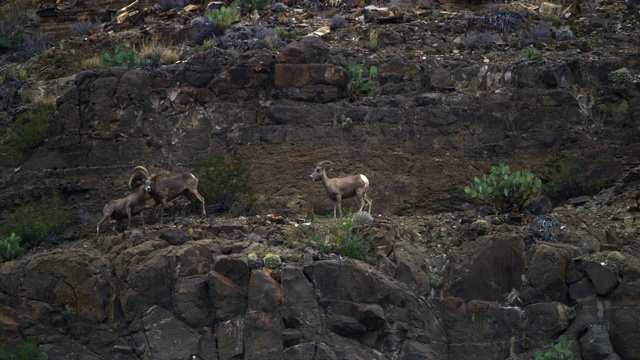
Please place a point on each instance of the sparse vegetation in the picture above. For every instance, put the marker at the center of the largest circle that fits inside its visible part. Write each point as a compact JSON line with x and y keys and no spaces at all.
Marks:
{"x":93,"y":62}
{"x":26,"y":351}
{"x":504,"y":21}
{"x":372,"y":45}
{"x":33,"y":127}
{"x":561,"y":351}
{"x":505,"y":190}
{"x":223,"y":17}
{"x":123,"y":58}
{"x":345,"y":237}
{"x":37,"y":221}
{"x":481,"y":227}
{"x":271,"y":261}
{"x":531,"y":53}
{"x":35,"y":42}
{"x":155,"y":53}
{"x":10,"y":247}
{"x":84,"y":27}
{"x":620,"y":76}
{"x":564,"y":33}
{"x":571,"y":178}
{"x":540,"y":230}
{"x":225,"y":185}
{"x":359,"y":83}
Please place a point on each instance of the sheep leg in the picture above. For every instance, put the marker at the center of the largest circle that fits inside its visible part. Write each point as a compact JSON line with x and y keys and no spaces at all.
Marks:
{"x":366,"y":198}
{"x":338,"y":204}
{"x":128,"y":217}
{"x":162,"y":205}
{"x":194,"y":196}
{"x":360,"y":197}
{"x":115,"y":226}
{"x":201,"y":199}
{"x":104,"y":218}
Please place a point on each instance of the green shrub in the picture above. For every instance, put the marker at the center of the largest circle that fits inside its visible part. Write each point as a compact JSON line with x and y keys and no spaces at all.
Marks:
{"x":23,"y":352}
{"x":271,"y":261}
{"x":505,"y":190}
{"x":481,"y":227}
{"x":340,"y":236}
{"x":33,"y":128}
{"x":358,"y":83}
{"x":561,"y":351}
{"x":207,"y":45}
{"x":532,"y":54}
{"x":36,"y":221}
{"x":569,"y":179}
{"x":123,"y":58}
{"x":254,"y":261}
{"x":10,"y":247}
{"x":11,"y":33}
{"x":224,"y":17}
{"x":259,"y":4}
{"x":225,"y":185}
{"x":620,"y":76}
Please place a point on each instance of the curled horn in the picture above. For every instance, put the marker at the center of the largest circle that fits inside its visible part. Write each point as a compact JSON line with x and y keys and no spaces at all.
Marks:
{"x":325,"y":164}
{"x":139,"y":173}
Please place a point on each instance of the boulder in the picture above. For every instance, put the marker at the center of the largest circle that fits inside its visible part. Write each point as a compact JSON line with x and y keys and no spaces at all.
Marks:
{"x":595,"y":344}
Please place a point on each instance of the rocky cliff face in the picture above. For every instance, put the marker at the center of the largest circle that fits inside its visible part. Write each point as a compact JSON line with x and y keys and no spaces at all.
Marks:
{"x":431,"y":288}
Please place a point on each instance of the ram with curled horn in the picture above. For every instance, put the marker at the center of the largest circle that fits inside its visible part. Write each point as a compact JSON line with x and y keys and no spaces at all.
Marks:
{"x":166,"y":188}
{"x":342,"y":188}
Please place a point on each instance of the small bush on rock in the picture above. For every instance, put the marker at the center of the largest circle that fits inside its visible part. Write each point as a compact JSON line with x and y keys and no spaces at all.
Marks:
{"x":223,"y":17}
{"x":84,"y":28}
{"x":225,"y":185}
{"x":564,"y":33}
{"x":123,"y":58}
{"x":37,"y":221}
{"x":481,"y":227}
{"x":540,"y":230}
{"x":10,"y":247}
{"x":560,"y":351}
{"x":360,"y":84}
{"x":362,"y":218}
{"x":344,"y":237}
{"x":620,"y":76}
{"x":570,"y":178}
{"x":272,"y":261}
{"x":504,"y":21}
{"x":505,"y":190}
{"x":531,"y":53}
{"x":32,"y":129}
{"x":26,"y":351}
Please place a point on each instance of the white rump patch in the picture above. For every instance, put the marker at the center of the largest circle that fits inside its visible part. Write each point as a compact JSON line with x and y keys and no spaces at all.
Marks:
{"x":364,"y":178}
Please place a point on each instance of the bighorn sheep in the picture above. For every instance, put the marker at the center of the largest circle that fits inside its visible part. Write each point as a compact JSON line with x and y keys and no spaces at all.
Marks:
{"x":124,"y":208}
{"x":165,"y":189}
{"x":342,"y":188}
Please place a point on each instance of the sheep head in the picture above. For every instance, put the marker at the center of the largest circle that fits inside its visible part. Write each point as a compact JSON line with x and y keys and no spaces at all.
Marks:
{"x":149,"y":185}
{"x":138,"y":175}
{"x":320,"y":169}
